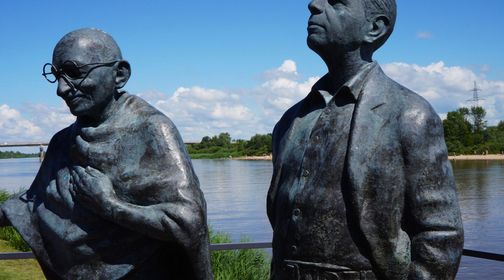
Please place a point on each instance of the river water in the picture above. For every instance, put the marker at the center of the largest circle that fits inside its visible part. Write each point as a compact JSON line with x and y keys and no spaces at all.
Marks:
{"x":236,"y":199}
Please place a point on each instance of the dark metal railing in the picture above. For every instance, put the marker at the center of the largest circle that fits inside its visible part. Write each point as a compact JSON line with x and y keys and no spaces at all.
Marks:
{"x":213,"y":247}
{"x":261,"y":245}
{"x":483,"y":255}
{"x":32,"y":144}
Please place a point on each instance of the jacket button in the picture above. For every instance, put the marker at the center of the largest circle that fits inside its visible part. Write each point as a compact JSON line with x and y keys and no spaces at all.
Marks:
{"x":296,"y":212}
{"x":297,"y":236}
{"x":306,"y":172}
{"x":294,"y":249}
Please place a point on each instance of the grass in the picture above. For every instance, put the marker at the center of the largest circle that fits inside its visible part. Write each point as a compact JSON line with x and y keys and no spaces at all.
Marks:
{"x":250,"y":264}
{"x":9,"y":234}
{"x":13,"y":239}
{"x":18,"y":269}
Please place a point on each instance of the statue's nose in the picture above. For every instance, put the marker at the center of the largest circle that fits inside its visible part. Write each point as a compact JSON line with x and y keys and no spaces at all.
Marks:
{"x":64,"y":87}
{"x":315,"y":6}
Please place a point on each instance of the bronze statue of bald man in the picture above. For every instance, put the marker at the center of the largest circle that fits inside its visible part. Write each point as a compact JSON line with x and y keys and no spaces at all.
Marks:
{"x":116,"y":196}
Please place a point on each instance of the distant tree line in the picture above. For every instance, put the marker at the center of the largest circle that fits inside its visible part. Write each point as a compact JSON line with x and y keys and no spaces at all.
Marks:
{"x":11,"y":154}
{"x":466,"y":132}
{"x":221,"y":146}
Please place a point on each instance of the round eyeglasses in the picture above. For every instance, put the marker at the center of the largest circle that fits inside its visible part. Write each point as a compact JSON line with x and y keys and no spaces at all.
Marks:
{"x":70,"y":70}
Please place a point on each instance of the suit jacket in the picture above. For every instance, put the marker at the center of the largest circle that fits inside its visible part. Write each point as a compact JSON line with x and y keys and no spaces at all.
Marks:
{"x":398,"y":185}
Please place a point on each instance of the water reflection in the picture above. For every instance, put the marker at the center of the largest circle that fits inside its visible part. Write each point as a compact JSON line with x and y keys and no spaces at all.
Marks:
{"x":236,"y":196}
{"x":481,"y":196}
{"x":472,"y":182}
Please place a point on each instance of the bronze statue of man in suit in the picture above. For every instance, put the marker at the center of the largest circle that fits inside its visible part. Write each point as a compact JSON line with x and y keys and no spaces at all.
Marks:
{"x":362,"y":187}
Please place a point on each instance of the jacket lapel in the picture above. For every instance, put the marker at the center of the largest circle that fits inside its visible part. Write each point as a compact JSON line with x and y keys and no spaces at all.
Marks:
{"x":369,"y":118}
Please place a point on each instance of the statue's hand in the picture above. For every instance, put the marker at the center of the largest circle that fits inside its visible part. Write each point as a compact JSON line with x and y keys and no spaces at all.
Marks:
{"x":93,"y":189}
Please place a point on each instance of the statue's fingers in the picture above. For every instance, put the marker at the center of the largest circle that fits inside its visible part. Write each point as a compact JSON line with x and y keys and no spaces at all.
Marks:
{"x":72,"y":189}
{"x":94,"y":172}
{"x":79,"y":170}
{"x":75,"y":177}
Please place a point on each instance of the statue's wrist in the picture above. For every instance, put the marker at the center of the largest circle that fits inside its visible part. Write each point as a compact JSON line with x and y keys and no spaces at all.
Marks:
{"x":112,"y":208}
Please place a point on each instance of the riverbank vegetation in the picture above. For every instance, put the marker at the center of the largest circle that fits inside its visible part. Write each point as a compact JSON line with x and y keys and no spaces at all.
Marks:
{"x":466,"y":132}
{"x":221,"y":146}
{"x":11,"y":154}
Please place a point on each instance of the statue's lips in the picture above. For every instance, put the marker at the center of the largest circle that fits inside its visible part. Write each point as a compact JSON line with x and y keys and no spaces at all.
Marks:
{"x":314,"y":27}
{"x":75,"y":99}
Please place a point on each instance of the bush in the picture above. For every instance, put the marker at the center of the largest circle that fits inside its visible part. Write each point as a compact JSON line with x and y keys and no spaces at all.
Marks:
{"x":250,"y":264}
{"x":9,"y":234}
{"x":13,"y":238}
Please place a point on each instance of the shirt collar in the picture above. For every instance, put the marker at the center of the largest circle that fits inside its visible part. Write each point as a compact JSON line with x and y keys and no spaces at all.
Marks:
{"x":353,"y":86}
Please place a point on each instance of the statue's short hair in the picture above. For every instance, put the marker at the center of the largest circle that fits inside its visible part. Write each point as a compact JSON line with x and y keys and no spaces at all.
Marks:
{"x":102,"y":46}
{"x":382,"y":7}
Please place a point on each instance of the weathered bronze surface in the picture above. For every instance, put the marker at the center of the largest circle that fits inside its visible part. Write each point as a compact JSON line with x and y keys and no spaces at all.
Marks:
{"x":362,"y":187}
{"x":116,"y":196}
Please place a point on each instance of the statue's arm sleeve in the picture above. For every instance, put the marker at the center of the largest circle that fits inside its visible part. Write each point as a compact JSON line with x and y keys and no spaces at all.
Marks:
{"x":270,"y":198}
{"x":432,"y":215}
{"x":182,"y":219}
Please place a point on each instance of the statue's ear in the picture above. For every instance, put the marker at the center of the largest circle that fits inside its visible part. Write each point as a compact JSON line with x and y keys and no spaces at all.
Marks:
{"x":123,"y":73}
{"x":378,"y":29}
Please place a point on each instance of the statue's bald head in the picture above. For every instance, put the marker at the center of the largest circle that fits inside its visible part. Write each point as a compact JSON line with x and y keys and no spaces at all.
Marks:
{"x":87,"y":45}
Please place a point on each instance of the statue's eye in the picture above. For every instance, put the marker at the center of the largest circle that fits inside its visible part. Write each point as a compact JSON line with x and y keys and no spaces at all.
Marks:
{"x":334,"y":2}
{"x":71,"y":69}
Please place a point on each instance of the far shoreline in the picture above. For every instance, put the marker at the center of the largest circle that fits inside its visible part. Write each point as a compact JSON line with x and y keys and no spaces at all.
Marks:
{"x":266,"y":157}
{"x":455,"y":158}
{"x":477,"y":157}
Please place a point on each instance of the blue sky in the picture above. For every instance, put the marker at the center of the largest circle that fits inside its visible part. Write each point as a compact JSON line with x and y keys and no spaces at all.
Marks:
{"x":235,"y":66}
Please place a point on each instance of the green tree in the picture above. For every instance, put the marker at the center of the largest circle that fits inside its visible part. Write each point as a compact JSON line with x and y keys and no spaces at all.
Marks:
{"x":478,"y":119}
{"x":259,"y":144}
{"x":500,"y":126}
{"x":458,"y":130}
{"x":223,"y":140}
{"x":477,"y":114}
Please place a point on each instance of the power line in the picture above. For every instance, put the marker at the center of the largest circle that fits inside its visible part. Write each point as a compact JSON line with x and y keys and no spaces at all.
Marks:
{"x":475,"y":99}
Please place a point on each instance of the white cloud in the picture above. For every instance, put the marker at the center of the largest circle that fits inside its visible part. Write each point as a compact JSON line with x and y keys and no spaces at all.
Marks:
{"x":288,"y":66}
{"x":279,"y":94}
{"x":449,"y":87}
{"x":14,"y":127}
{"x":424,"y":35}
{"x":32,"y":123}
{"x":199,"y":111}
{"x":287,"y":70}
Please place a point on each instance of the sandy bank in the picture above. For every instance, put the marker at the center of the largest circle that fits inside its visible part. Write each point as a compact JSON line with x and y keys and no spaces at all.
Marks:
{"x":477,"y":157}
{"x":268,"y":157}
{"x":459,"y":157}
